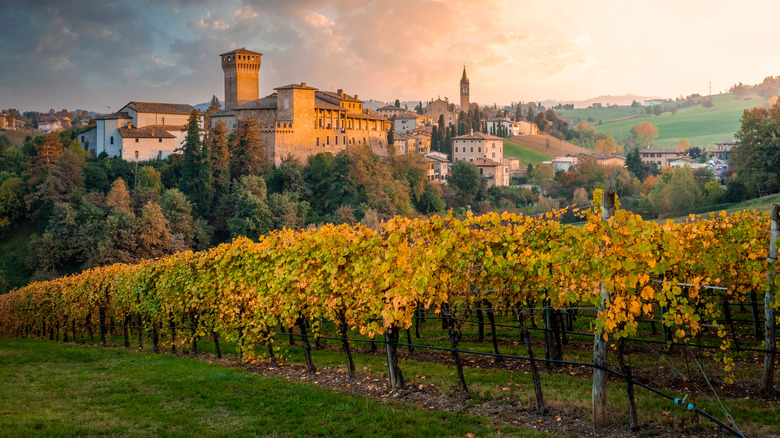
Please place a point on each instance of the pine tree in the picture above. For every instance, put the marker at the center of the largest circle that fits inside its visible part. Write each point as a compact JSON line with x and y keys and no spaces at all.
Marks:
{"x":196,"y":174}
{"x":247,"y":150}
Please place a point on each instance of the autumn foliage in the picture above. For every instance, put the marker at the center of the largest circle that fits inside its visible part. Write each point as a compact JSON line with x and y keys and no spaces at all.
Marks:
{"x":374,"y":281}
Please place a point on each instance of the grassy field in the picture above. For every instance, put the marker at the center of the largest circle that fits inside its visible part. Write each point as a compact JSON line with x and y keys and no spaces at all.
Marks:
{"x":700,"y":126}
{"x":524,"y":154}
{"x":51,"y":389}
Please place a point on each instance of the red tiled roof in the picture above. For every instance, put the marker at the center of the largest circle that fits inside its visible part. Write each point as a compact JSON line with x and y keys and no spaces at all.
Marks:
{"x":146,"y":132}
{"x":160,"y":108}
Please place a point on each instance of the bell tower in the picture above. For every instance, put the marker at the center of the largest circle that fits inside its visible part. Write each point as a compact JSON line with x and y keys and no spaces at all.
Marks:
{"x":241,"y":68}
{"x":464,"y":92}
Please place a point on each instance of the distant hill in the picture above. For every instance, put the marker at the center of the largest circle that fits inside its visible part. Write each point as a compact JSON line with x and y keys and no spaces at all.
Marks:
{"x":700,"y":126}
{"x":548,"y":145}
{"x":622,"y":100}
{"x":205,"y":105}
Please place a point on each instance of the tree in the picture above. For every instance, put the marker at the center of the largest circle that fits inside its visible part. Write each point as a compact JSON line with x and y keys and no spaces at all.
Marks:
{"x":119,"y":197}
{"x":247,"y":150}
{"x":219,"y":160}
{"x":644,"y":133}
{"x":214,"y":106}
{"x":634,"y":163}
{"x":253,"y":217}
{"x":607,"y":146}
{"x":676,"y":190}
{"x":178,"y":212}
{"x":196,"y":170}
{"x":756,"y":156}
{"x":149,"y":177}
{"x":466,"y":180}
{"x":682,"y":145}
{"x":397,"y":103}
{"x":11,"y":200}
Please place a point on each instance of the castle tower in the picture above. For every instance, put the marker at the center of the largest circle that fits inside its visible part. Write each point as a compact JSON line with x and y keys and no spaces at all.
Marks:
{"x":464,"y":92}
{"x":241,"y":69}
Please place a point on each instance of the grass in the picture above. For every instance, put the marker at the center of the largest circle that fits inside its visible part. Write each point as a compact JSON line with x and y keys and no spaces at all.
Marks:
{"x":52,"y":389}
{"x":700,"y":126}
{"x":525,"y":155}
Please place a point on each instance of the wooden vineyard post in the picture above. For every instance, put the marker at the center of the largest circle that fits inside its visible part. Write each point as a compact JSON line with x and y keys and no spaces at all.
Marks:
{"x":395,"y":377}
{"x":770,"y":336}
{"x":599,"y":343}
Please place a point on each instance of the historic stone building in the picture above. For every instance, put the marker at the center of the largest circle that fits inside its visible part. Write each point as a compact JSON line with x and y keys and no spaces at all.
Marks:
{"x":464,"y":92}
{"x":441,"y":108}
{"x":139,"y":131}
{"x":297,"y":120}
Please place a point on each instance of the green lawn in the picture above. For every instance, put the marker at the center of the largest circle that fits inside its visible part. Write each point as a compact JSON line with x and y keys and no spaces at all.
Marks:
{"x":525,"y":155}
{"x":700,"y":126}
{"x":54,"y":389}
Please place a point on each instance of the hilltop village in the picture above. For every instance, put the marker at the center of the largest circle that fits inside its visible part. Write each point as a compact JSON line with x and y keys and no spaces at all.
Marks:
{"x":155,"y":178}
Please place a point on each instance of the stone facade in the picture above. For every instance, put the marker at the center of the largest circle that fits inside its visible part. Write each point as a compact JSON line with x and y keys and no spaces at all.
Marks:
{"x":439,"y":108}
{"x":241,"y":68}
{"x":495,"y":173}
{"x":661,"y":157}
{"x":299,"y":121}
{"x":471,"y":147}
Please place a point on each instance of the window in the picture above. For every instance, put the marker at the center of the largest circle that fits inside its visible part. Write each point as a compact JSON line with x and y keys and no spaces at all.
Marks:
{"x":337,"y":140}
{"x":136,"y":140}
{"x":472,"y":149}
{"x":159,"y":140}
{"x":318,"y":141}
{"x":327,"y":140}
{"x":111,"y":140}
{"x":163,"y":120}
{"x":82,"y":139}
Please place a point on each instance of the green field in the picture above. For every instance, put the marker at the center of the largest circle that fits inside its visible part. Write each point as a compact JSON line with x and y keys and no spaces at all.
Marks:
{"x":51,"y":389}
{"x":603,"y":114}
{"x":525,"y":155}
{"x":700,"y":126}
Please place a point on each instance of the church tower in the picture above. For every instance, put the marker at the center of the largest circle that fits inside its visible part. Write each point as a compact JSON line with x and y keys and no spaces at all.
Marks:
{"x":241,"y":69}
{"x":464,"y":92}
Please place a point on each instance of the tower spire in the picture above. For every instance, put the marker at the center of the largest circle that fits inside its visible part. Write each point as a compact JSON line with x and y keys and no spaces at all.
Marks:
{"x":464,"y":91}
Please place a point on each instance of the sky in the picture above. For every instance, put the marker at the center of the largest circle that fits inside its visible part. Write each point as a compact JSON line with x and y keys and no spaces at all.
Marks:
{"x":101,"y":54}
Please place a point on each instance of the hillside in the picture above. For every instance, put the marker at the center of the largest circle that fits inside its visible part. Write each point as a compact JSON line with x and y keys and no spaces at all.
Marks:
{"x":554,"y":148}
{"x":700,"y":126}
{"x":525,"y":155}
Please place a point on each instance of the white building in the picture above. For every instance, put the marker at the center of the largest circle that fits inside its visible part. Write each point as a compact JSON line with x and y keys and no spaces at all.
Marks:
{"x":407,"y":122}
{"x":139,"y":131}
{"x":471,"y":147}
{"x":438,"y":166}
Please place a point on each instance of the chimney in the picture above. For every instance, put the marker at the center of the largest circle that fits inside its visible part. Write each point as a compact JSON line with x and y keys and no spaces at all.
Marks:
{"x":356,"y":98}
{"x":303,"y":84}
{"x":129,"y":124}
{"x":341,"y":92}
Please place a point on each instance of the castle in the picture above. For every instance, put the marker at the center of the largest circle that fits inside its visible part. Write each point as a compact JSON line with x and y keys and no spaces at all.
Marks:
{"x":297,"y":120}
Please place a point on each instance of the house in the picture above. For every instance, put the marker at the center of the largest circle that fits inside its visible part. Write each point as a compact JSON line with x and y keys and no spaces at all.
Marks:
{"x":471,"y":147}
{"x":686,"y":162}
{"x":494,"y":172}
{"x":139,"y":131}
{"x":722,"y":150}
{"x":390,"y":111}
{"x":438,"y":166}
{"x":652,"y":102}
{"x":661,"y":157}
{"x":407,"y":122}
{"x":297,"y":120}
{"x":564,"y":163}
{"x":49,"y":124}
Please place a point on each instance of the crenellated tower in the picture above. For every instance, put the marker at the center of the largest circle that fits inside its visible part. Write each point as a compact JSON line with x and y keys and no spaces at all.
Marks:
{"x":241,"y":68}
{"x":464,"y":92}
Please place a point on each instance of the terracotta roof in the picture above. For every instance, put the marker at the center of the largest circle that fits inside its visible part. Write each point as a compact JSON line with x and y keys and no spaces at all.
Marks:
{"x":368,"y":116}
{"x":340,"y":97}
{"x":160,"y":108}
{"x":267,"y":102}
{"x":391,"y":108}
{"x":477,"y":136}
{"x":301,"y":86}
{"x":116,"y":115}
{"x":485,"y":162}
{"x":437,"y":156}
{"x":407,"y":116}
{"x":321,"y":103}
{"x":659,"y":150}
{"x":145,"y":132}
{"x":241,"y":51}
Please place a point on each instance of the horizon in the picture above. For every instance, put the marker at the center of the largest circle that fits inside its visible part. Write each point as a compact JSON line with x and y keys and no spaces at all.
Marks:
{"x":91,"y":55}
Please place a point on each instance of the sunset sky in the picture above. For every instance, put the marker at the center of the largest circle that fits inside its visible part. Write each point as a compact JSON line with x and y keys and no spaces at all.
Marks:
{"x":93,"y":54}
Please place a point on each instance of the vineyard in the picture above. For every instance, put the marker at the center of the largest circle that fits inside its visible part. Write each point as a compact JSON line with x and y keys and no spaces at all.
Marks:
{"x":507,"y":277}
